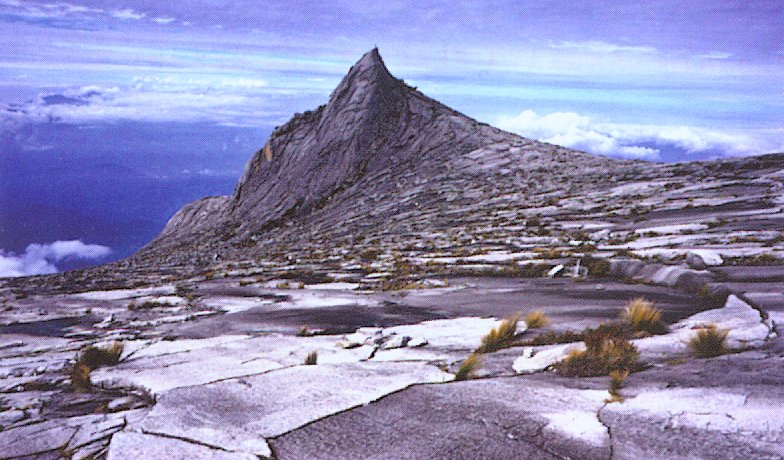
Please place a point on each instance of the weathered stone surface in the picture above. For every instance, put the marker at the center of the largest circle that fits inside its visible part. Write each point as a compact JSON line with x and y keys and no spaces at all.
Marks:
{"x":384,"y":209}
{"x":535,"y":360}
{"x":697,"y":423}
{"x":701,"y":258}
{"x":500,"y":418}
{"x":745,"y":325}
{"x":173,"y":364}
{"x":239,"y":414}
{"x":62,"y":435}
{"x":138,"y":446}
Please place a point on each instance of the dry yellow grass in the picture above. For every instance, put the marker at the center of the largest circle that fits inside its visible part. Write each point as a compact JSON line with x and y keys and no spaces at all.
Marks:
{"x":617,"y":378}
{"x":709,"y":342}
{"x":536,"y":320}
{"x":80,"y":377}
{"x":469,"y":367}
{"x":501,"y":336}
{"x":644,"y":317}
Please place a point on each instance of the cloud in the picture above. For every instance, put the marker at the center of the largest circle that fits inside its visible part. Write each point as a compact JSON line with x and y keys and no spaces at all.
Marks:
{"x":570,"y":129}
{"x":600,"y":47}
{"x":127,"y":14}
{"x":573,"y":130}
{"x":715,"y":55}
{"x":237,"y":100}
{"x":40,"y":259}
{"x":163,"y":20}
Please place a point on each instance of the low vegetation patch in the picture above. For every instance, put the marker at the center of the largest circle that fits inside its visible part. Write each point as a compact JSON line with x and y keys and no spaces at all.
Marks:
{"x":399,"y":285}
{"x":149,"y":305}
{"x":644,"y":317}
{"x":709,"y":342}
{"x":92,"y":358}
{"x":757,"y":260}
{"x":501,"y":336}
{"x":536,"y":320}
{"x":553,"y":338}
{"x":617,"y":378}
{"x":598,"y":268}
{"x":312,"y":358}
{"x":469,"y":367}
{"x":607,"y":349}
{"x":80,"y":377}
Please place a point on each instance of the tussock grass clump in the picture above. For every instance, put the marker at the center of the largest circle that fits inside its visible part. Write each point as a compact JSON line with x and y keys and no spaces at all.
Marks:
{"x":598,"y":268}
{"x":644,"y":317}
{"x":501,"y":336}
{"x":304,"y":332}
{"x":607,"y":350}
{"x":536,"y":319}
{"x":312,"y":358}
{"x":553,"y":338}
{"x":80,"y":378}
{"x":92,"y":358}
{"x":709,"y":342}
{"x":469,"y":367}
{"x":617,"y":378}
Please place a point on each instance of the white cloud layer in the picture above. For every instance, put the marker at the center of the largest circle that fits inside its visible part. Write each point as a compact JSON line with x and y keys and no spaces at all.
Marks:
{"x":40,"y":259}
{"x":576,"y":131}
{"x":600,"y":47}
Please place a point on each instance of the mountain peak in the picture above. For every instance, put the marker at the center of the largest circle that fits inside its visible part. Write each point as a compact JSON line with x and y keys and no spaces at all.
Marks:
{"x":371,"y":59}
{"x":373,"y":130}
{"x":367,"y":74}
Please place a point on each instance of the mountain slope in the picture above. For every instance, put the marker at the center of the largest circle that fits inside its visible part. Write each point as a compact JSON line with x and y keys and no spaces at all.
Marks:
{"x":373,"y":129}
{"x":383,"y":167}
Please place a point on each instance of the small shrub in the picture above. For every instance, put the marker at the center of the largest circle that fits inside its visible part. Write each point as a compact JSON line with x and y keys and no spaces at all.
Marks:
{"x":501,"y":336}
{"x":536,"y":319}
{"x":607,"y":350}
{"x":709,"y":342}
{"x":598,"y":268}
{"x":370,"y":254}
{"x":312,"y":358}
{"x":553,"y":338}
{"x":617,"y":377}
{"x":94,"y":357}
{"x":149,"y":305}
{"x":80,"y":377}
{"x":303,"y":332}
{"x":714,"y":296}
{"x":469,"y":367}
{"x":643,"y":317}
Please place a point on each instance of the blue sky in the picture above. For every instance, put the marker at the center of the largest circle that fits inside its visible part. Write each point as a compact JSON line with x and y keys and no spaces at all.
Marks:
{"x":173,"y":97}
{"x":606,"y":76}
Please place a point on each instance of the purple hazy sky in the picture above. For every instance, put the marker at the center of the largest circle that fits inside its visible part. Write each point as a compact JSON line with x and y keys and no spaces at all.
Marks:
{"x":115,"y":113}
{"x":620,"y":78}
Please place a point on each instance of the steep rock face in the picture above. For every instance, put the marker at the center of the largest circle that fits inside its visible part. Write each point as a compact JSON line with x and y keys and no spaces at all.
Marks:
{"x":317,"y":153}
{"x":373,"y":126}
{"x":197,"y":216}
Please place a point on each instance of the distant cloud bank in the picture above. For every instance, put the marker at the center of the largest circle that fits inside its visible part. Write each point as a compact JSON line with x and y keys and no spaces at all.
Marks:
{"x":573,"y":130}
{"x":40,"y":259}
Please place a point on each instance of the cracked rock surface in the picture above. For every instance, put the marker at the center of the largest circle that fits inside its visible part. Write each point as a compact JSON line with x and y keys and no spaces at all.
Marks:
{"x":324,"y":309}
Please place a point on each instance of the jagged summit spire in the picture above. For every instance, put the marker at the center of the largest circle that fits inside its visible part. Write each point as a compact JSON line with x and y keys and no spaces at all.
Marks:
{"x":371,"y":59}
{"x":368,"y":73}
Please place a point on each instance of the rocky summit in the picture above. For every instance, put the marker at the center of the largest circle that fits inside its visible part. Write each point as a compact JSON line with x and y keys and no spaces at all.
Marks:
{"x":393,"y":279}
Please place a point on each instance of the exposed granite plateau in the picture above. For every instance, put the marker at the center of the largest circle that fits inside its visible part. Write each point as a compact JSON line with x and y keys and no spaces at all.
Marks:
{"x":324,"y":309}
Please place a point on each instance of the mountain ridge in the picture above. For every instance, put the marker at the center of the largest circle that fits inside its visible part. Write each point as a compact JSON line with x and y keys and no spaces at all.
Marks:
{"x":382,"y":165}
{"x":369,"y":125}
